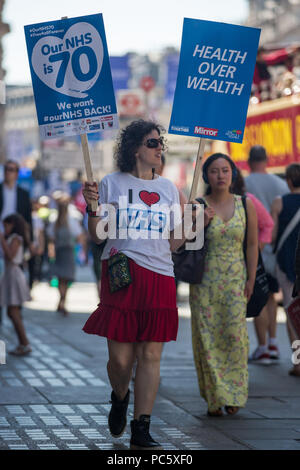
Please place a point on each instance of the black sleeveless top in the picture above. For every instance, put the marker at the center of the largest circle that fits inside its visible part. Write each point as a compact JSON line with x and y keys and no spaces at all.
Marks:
{"x":286,"y":255}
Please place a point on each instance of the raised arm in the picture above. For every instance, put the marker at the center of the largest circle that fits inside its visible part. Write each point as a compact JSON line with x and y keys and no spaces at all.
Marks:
{"x":90,"y":193}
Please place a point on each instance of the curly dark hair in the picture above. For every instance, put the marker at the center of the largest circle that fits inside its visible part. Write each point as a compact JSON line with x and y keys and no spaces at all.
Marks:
{"x":130,"y":139}
{"x":19,"y":226}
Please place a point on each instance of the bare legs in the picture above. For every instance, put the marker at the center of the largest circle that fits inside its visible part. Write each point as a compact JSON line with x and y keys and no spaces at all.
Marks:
{"x":146,"y":377}
{"x":261,"y":326}
{"x":266,"y":322}
{"x":119,"y":368}
{"x":14,"y":313}
{"x":62,"y":288}
{"x":272,"y":313}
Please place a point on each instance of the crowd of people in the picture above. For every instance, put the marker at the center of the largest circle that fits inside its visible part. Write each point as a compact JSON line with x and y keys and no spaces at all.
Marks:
{"x":39,"y":241}
{"x":138,"y":310}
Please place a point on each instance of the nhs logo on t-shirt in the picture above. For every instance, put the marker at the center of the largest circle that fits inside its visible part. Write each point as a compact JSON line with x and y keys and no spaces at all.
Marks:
{"x":122,"y":220}
{"x":141,"y":219}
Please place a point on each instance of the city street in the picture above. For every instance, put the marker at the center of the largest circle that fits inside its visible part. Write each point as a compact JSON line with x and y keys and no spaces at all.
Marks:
{"x":58,"y":397}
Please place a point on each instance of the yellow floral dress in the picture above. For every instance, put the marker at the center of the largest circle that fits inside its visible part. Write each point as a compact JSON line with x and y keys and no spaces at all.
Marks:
{"x":218,"y":310}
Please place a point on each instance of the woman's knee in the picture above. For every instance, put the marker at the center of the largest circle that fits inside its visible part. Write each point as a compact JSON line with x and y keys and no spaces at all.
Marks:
{"x":150,"y":353}
{"x":12,"y":312}
{"x":120,"y":363}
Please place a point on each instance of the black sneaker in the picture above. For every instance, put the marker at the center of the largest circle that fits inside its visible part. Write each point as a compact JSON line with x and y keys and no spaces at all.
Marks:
{"x":117,"y":416}
{"x":140,"y":436}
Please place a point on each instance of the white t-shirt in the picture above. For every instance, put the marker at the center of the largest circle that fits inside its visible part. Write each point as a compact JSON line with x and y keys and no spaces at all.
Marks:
{"x":143,"y":219}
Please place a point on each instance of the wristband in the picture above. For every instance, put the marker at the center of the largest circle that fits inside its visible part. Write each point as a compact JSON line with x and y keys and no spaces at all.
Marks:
{"x":91,"y":213}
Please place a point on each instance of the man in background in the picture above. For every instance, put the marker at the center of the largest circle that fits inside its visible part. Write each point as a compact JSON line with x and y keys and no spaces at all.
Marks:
{"x":266,"y":187}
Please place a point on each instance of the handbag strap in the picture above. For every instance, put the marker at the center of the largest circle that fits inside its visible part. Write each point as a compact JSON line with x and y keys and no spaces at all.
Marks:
{"x":244,"y":198}
{"x":288,"y":230}
{"x":202,"y":201}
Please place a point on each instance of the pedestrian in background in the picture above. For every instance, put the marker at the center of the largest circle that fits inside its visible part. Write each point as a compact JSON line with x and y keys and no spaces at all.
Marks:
{"x":219,"y":303}
{"x":14,"y":290}
{"x":286,"y":210}
{"x":265,"y":222}
{"x":295,"y":371}
{"x":63,"y":235}
{"x":296,"y":290}
{"x":265,"y":187}
{"x":14,"y":199}
{"x":38,"y":242}
{"x":140,"y":317}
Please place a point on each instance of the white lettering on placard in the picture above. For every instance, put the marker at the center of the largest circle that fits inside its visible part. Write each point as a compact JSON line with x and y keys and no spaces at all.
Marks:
{"x":213,"y":70}
{"x":69,"y":65}
{"x":205,"y":131}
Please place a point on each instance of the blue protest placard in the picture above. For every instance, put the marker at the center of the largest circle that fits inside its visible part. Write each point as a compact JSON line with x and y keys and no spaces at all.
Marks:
{"x":71,"y":76}
{"x":214,"y":80}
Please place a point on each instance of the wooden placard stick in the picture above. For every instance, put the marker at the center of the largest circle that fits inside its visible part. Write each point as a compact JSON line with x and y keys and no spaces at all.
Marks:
{"x":86,"y":156}
{"x":197,"y":170}
{"x":88,"y":165}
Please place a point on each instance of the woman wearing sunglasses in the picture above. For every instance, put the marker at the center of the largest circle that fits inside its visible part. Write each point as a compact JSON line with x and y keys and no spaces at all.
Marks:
{"x":139,"y":318}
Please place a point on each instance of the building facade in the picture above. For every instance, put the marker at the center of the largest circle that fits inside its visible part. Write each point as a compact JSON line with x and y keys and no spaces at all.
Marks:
{"x":279,"y":21}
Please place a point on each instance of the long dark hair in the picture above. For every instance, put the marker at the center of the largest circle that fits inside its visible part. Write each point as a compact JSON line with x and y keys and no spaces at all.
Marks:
{"x":238,"y":185}
{"x":130,"y":139}
{"x":19,"y":227}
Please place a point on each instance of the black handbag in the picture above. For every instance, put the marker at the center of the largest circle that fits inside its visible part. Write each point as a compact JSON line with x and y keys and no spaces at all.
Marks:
{"x":261,"y":291}
{"x":189,"y":264}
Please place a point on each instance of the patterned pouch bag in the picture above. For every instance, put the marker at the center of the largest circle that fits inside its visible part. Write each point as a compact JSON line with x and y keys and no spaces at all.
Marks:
{"x":118,"y":272}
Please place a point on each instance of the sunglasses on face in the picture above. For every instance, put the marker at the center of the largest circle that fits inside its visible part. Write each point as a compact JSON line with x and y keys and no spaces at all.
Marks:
{"x":154,"y":143}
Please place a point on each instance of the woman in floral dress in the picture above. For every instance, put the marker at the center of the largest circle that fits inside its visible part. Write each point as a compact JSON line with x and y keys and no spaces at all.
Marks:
{"x":219,"y":303}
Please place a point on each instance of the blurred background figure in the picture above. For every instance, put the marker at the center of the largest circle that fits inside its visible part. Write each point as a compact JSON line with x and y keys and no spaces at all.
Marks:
{"x":63,"y":233}
{"x":14,"y":199}
{"x":265,"y":226}
{"x":14,"y":290}
{"x":286,"y":214}
{"x":265,"y":222}
{"x":295,"y":371}
{"x":265,"y":187}
{"x":38,"y":243}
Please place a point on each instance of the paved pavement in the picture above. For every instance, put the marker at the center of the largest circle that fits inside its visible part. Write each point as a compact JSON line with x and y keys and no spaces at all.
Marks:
{"x":58,"y":397}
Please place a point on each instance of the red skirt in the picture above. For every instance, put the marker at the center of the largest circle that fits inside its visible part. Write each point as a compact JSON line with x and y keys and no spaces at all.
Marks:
{"x":143,"y":311}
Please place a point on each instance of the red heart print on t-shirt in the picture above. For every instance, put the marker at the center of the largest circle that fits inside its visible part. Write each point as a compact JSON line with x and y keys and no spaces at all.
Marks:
{"x":149,"y":198}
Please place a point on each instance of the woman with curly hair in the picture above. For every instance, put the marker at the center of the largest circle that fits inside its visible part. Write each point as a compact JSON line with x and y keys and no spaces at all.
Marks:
{"x":139,"y":318}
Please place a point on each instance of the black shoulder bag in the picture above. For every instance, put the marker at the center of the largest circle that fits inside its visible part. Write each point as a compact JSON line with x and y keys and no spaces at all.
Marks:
{"x":260,"y":294}
{"x":189,"y":264}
